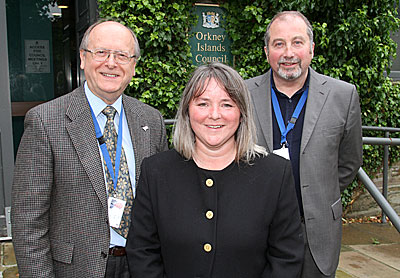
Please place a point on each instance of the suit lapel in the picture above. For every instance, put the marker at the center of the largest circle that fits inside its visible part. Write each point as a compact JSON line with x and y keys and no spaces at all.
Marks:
{"x":262,"y":102}
{"x":317,"y":96}
{"x":139,"y":130}
{"x":83,"y":137}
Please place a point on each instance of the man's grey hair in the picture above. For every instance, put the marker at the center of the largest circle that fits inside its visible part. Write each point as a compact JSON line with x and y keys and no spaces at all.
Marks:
{"x":85,"y":40}
{"x":310,"y":34}
{"x":228,"y":79}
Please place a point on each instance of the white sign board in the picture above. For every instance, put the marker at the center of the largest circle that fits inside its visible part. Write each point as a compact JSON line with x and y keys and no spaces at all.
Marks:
{"x":37,"y":56}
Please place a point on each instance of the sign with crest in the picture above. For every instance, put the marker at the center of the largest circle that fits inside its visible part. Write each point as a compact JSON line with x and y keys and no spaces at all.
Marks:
{"x":209,"y":41}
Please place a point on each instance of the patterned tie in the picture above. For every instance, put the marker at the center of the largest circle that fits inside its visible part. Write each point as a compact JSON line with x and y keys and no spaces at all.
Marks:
{"x":124,"y":188}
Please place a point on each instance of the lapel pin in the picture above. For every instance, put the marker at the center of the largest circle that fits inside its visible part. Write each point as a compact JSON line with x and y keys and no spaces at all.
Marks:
{"x":145,"y":128}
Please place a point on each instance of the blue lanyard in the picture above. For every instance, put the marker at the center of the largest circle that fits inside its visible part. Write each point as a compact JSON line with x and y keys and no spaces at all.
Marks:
{"x":278,"y":114}
{"x":104,"y":150}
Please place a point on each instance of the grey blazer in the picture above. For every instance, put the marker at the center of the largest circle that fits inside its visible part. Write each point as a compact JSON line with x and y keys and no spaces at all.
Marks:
{"x":330,"y":156}
{"x":59,"y":202}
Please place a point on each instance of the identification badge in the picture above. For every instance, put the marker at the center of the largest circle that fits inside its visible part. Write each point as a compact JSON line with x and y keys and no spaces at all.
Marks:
{"x":283,"y":152}
{"x":115,"y":211}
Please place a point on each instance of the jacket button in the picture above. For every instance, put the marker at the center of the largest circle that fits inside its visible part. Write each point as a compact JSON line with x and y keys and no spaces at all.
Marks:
{"x":209,"y":182}
{"x":207,"y":247}
{"x":104,"y":255}
{"x":209,"y":214}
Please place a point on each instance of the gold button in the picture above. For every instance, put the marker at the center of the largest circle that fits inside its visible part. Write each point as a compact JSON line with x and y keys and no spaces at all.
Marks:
{"x":209,"y":182}
{"x":207,"y":247}
{"x":209,"y":214}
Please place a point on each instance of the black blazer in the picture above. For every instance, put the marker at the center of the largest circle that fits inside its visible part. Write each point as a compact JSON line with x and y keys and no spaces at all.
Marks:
{"x":242,"y":221}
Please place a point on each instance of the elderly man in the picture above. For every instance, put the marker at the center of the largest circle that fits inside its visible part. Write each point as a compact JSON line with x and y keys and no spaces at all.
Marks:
{"x":78,"y":163}
{"x":314,"y":121}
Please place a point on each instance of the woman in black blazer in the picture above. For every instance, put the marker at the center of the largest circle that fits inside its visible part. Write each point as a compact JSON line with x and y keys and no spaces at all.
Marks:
{"x":217,"y":205}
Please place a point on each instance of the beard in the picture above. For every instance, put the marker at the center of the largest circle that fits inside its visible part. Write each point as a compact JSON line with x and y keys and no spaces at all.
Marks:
{"x":290,"y":74}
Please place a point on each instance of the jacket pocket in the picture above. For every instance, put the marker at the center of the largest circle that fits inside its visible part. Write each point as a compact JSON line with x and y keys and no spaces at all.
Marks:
{"x":61,"y":251}
{"x":337,"y":209}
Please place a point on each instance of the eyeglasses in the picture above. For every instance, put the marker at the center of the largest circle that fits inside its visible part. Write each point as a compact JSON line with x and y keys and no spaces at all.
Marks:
{"x":120,"y":57}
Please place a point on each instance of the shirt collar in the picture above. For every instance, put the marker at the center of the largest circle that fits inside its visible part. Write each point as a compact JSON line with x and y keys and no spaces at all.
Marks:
{"x":98,"y":104}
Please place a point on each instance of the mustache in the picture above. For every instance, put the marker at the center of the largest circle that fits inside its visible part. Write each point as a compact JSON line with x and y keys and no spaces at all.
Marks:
{"x":293,"y":60}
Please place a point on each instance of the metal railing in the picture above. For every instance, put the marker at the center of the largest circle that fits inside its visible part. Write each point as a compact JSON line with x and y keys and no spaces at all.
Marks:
{"x":381,"y":198}
{"x":169,"y":121}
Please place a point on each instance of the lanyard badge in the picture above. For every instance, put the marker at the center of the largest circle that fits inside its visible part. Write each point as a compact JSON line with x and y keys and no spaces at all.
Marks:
{"x":284,"y":151}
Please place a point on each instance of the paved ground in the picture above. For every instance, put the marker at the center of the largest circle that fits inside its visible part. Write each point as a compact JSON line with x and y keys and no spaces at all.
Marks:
{"x":369,"y":250}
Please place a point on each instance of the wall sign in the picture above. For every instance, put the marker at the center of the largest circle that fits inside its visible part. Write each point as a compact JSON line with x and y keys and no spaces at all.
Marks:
{"x":37,"y":56}
{"x":209,"y":41}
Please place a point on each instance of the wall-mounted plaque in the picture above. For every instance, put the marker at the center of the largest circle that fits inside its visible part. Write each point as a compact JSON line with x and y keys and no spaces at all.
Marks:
{"x":209,"y":41}
{"x":37,"y":56}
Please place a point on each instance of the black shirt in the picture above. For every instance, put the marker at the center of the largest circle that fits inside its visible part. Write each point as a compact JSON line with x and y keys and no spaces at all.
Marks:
{"x":293,"y":138}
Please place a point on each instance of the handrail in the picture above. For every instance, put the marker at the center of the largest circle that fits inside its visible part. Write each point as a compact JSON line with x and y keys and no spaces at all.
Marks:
{"x":381,"y":141}
{"x":169,"y":121}
{"x":380,"y":128}
{"x":387,"y":141}
{"x":379,"y":198}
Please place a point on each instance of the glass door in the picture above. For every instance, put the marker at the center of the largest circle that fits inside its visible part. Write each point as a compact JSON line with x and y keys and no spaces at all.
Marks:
{"x":42,"y":54}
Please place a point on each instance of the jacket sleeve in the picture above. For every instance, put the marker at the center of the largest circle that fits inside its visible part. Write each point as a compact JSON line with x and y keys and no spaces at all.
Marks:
{"x":31,"y":192}
{"x":143,"y":245}
{"x":285,"y":250}
{"x":350,"y":148}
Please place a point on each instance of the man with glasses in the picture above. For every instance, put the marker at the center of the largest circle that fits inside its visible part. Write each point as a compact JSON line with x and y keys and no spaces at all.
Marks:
{"x":78,"y":163}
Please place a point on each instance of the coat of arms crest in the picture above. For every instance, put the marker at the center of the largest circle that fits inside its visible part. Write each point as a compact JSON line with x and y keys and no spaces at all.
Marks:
{"x":210,"y":20}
